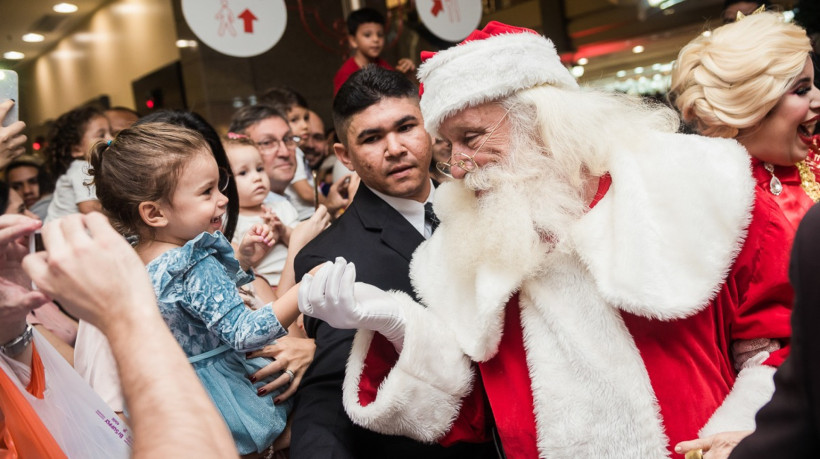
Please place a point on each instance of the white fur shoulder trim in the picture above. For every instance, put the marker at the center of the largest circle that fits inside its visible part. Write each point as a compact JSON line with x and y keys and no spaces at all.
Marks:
{"x":421,"y":396}
{"x":662,"y":240}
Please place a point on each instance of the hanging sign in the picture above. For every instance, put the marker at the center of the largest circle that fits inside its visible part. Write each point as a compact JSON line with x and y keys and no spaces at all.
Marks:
{"x":450,"y":20}
{"x":239,"y":28}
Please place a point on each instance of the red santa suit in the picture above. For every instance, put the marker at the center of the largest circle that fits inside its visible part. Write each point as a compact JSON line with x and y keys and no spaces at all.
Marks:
{"x":614,"y":343}
{"x":626,"y":341}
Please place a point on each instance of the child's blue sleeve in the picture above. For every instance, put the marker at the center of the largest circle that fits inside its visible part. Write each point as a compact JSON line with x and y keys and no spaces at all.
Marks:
{"x":212,"y":296}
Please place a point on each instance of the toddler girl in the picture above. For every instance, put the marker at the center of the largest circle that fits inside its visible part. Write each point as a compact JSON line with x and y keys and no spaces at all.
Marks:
{"x":160,"y":182}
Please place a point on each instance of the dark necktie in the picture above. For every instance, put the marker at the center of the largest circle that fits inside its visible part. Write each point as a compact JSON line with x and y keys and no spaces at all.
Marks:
{"x":430,"y":216}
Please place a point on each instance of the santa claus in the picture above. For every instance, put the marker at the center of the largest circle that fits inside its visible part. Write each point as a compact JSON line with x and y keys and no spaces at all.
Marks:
{"x":591,"y":273}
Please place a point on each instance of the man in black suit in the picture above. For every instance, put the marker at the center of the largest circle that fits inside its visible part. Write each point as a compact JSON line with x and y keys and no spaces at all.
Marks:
{"x":377,"y":117}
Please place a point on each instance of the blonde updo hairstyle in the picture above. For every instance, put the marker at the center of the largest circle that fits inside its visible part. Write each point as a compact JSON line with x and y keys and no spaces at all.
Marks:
{"x":730,"y":80}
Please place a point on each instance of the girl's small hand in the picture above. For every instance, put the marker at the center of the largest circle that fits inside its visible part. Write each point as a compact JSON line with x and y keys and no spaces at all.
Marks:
{"x":256,"y":243}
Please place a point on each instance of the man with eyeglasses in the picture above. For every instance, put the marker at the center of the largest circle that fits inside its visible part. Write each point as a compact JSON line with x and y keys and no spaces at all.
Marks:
{"x":588,"y":280}
{"x":376,"y":115}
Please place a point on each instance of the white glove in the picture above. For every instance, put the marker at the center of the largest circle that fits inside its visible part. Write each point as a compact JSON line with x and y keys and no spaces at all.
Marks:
{"x":333,"y":295}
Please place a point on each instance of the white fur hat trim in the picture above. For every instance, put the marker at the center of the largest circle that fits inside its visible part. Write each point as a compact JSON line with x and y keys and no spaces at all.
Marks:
{"x":480,"y":71}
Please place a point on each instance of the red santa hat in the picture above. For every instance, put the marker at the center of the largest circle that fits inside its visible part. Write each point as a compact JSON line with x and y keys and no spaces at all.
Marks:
{"x":489,"y":64}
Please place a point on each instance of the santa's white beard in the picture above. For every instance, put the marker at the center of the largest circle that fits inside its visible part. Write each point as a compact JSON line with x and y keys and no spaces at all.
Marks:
{"x":512,"y":215}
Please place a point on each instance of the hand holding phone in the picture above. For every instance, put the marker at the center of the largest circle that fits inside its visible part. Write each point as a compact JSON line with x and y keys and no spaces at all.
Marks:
{"x":12,"y":140}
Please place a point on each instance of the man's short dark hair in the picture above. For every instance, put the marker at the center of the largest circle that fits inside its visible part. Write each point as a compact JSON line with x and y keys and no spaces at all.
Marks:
{"x":249,"y":115}
{"x":367,"y":87}
{"x":363,"y":16}
{"x":283,"y":99}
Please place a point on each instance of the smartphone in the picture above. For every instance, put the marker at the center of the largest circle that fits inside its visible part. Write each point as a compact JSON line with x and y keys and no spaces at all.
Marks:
{"x":9,"y":90}
{"x":35,"y":242}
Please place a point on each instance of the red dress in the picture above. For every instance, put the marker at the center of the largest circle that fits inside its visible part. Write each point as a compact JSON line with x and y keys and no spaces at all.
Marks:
{"x":793,"y":200}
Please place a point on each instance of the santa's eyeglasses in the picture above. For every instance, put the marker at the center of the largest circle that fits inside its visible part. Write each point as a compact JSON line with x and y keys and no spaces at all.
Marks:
{"x":464,"y":161}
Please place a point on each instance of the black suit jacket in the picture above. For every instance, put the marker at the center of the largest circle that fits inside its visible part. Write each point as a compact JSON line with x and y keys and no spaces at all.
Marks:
{"x":789,"y":425}
{"x":380,"y":242}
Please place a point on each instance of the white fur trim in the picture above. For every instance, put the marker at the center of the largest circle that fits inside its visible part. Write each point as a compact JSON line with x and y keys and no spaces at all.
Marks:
{"x":485,"y":70}
{"x":470,"y":300}
{"x":753,"y":388}
{"x":663,"y":238}
{"x":591,"y":391}
{"x":421,"y":396}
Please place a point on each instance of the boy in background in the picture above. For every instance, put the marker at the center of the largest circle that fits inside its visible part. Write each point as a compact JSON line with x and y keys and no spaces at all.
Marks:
{"x":365,"y":29}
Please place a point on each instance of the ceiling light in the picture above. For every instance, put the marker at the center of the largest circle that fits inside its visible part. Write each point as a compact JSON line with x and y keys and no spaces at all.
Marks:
{"x":621,"y":73}
{"x":654,"y":3}
{"x":186,"y":43}
{"x":707,"y":33}
{"x":65,"y":8}
{"x":33,"y":38}
{"x":583,"y":61}
{"x":637,"y":49}
{"x":639,"y":70}
{"x":13,"y":55}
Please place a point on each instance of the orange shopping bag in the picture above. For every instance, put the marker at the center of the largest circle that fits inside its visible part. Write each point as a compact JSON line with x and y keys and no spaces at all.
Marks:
{"x":58,"y":415}
{"x":23,"y":433}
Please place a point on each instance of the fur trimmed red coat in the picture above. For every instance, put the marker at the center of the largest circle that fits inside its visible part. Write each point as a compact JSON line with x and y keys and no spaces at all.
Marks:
{"x":620,"y":347}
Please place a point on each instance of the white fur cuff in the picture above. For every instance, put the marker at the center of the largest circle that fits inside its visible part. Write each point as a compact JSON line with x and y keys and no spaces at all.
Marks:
{"x":421,"y":396}
{"x":753,"y":388}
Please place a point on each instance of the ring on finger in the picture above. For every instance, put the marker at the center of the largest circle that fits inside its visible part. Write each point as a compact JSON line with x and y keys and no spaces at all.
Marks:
{"x":291,"y":375}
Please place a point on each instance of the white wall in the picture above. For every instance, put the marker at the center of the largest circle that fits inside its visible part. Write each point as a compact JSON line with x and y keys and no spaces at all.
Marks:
{"x":122,"y":41}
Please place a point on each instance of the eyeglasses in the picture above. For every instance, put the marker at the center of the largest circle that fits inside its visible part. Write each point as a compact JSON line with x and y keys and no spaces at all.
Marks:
{"x":288,"y":141}
{"x":467,"y":162}
{"x":224,"y":179}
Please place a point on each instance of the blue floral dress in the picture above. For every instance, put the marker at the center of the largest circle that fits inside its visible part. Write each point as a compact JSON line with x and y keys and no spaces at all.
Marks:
{"x":196,"y":286}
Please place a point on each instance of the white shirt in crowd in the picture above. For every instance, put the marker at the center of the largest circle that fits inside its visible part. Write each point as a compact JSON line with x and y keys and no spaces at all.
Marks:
{"x":72,"y":188}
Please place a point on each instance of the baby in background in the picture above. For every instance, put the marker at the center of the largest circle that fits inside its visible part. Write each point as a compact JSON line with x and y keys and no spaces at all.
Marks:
{"x":253,"y":186}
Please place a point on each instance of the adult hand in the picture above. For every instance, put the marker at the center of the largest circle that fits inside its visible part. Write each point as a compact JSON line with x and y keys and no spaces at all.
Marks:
{"x":12,"y":140}
{"x":306,"y":230}
{"x":91,"y":270}
{"x":256,"y":243}
{"x":333,"y":295}
{"x":750,"y":352}
{"x":341,"y":193}
{"x":717,"y":446}
{"x":16,"y":297}
{"x":288,"y":353}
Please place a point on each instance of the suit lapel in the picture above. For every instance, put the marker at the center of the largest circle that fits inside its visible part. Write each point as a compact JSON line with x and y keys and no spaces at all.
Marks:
{"x":376,"y":215}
